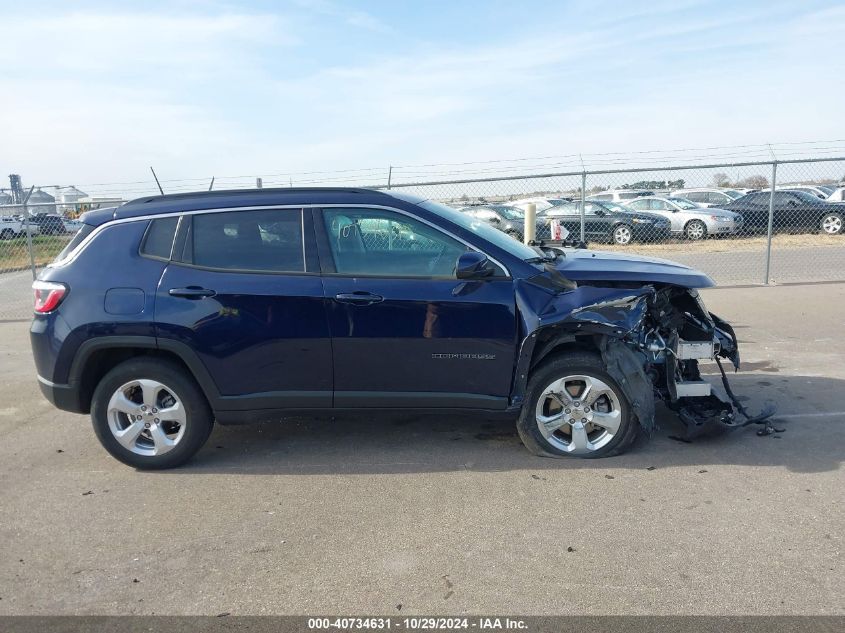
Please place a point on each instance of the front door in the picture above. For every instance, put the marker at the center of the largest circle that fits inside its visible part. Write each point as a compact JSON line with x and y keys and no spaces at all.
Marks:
{"x":405,"y":332}
{"x":240,"y":294}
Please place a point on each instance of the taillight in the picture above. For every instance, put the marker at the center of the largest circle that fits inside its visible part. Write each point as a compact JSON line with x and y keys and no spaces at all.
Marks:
{"x":48,"y":295}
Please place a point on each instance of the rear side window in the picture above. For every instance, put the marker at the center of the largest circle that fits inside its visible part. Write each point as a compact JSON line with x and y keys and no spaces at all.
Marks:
{"x":81,"y":234}
{"x":266,"y":241}
{"x":158,"y":240}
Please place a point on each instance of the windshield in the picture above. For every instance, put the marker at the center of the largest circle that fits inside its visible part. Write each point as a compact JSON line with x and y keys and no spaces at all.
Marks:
{"x":510,"y":213}
{"x":683,"y":203}
{"x":826,"y":189}
{"x":733,"y":194}
{"x":806,"y":197}
{"x":482,"y":229}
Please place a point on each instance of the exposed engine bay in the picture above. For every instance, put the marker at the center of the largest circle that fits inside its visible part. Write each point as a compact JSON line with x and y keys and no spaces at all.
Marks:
{"x":652,"y":338}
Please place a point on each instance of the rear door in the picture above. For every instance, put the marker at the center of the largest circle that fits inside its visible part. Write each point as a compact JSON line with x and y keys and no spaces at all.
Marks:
{"x":405,"y":332}
{"x":244,"y":293}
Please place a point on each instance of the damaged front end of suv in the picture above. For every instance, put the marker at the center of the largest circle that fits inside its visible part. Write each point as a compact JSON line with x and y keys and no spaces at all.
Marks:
{"x":648,"y":322}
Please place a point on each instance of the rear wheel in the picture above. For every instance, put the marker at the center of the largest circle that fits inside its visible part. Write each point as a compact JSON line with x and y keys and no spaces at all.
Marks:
{"x":623,"y":234}
{"x":696,"y":230}
{"x":149,"y":414}
{"x":832,"y":223}
{"x":7,"y":234}
{"x":573,"y":407}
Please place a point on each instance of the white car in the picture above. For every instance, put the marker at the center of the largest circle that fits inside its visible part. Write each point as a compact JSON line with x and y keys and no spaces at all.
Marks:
{"x":687,"y":218}
{"x":708,"y":196}
{"x":540,"y":204}
{"x":815,"y":190}
{"x":13,"y":227}
{"x":621,"y":195}
{"x":72,"y":226}
{"x":838,"y":195}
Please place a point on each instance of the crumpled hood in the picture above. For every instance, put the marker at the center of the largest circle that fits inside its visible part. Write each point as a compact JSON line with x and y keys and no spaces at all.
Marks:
{"x":581,"y":265}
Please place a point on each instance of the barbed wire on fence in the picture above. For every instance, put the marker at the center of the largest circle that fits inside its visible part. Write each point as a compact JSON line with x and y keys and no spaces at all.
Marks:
{"x":768,"y":241}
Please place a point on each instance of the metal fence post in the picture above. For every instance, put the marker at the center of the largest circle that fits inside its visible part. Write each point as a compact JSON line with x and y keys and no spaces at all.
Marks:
{"x":28,"y":233}
{"x":583,"y":201}
{"x":771,"y":218}
{"x":530,"y":223}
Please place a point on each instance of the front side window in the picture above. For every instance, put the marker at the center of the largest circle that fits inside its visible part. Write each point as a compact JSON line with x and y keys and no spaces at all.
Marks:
{"x":388,"y":244}
{"x":639,"y":205}
{"x":265,"y":241}
{"x":699,"y":196}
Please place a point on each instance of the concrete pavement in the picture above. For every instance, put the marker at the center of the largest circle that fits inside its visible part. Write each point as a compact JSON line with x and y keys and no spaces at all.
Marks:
{"x":445,"y":515}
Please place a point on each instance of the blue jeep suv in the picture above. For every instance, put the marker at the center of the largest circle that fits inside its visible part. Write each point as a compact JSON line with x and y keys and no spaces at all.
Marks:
{"x":171,"y":312}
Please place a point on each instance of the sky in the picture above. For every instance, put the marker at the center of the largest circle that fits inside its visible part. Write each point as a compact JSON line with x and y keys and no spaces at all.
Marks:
{"x":93,"y":93}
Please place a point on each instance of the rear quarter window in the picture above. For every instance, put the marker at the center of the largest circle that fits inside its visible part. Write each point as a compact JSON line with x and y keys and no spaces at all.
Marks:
{"x":75,"y":241}
{"x":158,"y":240}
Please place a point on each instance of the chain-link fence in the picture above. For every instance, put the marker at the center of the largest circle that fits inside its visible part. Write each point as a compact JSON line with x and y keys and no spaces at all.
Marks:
{"x":741,"y":223}
{"x":748,"y":223}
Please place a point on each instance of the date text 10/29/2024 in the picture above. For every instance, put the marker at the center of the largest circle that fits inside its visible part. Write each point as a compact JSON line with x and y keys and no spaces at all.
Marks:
{"x":419,"y":623}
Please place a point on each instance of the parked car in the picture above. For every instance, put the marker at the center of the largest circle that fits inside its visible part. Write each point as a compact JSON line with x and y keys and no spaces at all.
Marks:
{"x":71,"y":225}
{"x":819,"y":191}
{"x":49,"y":223}
{"x":510,"y":220}
{"x":791,"y":210}
{"x":608,"y":221}
{"x":11,"y":227}
{"x":170,"y":312}
{"x":620,"y":195}
{"x":708,"y":197}
{"x":688,"y":219}
{"x":540,"y":204}
{"x":837,"y":195}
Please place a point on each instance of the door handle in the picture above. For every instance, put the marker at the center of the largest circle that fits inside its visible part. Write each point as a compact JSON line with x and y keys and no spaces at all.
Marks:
{"x":358,"y":298}
{"x":191,"y":292}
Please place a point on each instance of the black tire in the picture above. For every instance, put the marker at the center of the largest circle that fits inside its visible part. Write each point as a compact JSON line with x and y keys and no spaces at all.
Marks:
{"x":831,"y":223}
{"x":559,"y":366}
{"x":7,"y":234}
{"x":199,"y":417}
{"x":695,"y":230}
{"x":623,"y":234}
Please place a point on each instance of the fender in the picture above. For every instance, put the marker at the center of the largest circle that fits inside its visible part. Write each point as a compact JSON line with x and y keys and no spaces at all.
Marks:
{"x":181,"y":350}
{"x":550,"y":316}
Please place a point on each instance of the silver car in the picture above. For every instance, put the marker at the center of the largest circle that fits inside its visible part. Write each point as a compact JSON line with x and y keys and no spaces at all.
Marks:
{"x":687,"y":218}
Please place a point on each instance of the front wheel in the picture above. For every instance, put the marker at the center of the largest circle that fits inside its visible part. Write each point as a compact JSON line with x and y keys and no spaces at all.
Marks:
{"x":573,"y":407}
{"x":623,"y":234}
{"x":832,"y":223}
{"x":148,"y":413}
{"x":696,"y":230}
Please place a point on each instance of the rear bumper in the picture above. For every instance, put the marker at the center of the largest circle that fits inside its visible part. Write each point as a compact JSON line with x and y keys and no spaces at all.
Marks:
{"x":64,"y":397}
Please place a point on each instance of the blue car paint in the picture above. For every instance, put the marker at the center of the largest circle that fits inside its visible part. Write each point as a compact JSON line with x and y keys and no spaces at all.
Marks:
{"x":270,"y":342}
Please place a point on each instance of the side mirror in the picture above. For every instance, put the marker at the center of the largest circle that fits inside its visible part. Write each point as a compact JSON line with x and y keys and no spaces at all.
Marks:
{"x":495,"y":220}
{"x":473,"y":265}
{"x":599,"y":212}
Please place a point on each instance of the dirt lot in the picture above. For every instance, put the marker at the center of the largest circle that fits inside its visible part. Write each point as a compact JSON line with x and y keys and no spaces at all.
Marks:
{"x":755,"y":243}
{"x":445,"y":515}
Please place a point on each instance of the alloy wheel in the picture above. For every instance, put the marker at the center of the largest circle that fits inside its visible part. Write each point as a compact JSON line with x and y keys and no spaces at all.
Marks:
{"x":832,"y":224}
{"x":578,"y":414}
{"x":622,"y":234}
{"x":146,"y":417}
